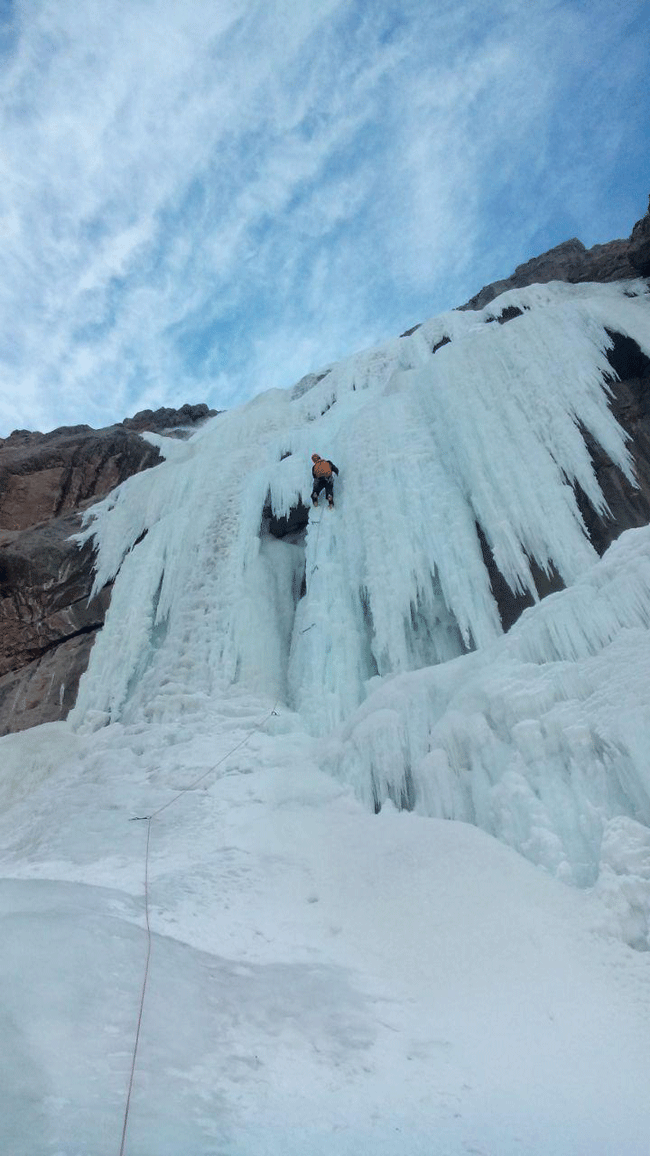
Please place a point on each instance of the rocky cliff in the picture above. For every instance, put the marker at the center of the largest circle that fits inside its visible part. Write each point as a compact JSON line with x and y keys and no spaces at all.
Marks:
{"x":47,"y":623}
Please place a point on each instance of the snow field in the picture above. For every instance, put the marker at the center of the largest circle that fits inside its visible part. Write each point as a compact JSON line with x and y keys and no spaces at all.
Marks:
{"x":322,"y":979}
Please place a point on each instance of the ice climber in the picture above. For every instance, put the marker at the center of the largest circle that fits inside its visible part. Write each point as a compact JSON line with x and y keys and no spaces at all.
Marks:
{"x":322,"y":471}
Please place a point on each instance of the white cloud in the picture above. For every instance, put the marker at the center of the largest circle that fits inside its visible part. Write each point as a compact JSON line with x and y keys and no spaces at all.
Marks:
{"x":198,"y":199}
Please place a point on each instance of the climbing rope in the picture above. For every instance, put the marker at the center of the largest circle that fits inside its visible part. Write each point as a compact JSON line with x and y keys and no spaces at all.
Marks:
{"x":315,"y":566}
{"x":144,"y":987}
{"x":148,"y":819}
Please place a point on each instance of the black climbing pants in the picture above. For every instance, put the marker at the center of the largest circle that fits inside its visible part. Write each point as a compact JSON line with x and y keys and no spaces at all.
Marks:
{"x":326,"y":484}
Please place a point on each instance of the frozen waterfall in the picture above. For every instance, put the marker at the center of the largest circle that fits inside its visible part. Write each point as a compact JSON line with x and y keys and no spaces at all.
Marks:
{"x":375,"y":623}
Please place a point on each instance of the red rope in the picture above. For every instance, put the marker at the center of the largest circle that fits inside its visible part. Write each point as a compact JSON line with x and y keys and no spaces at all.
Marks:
{"x":149,"y":819}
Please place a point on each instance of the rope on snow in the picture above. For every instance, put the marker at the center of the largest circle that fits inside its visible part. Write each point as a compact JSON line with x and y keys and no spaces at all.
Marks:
{"x":148,"y":819}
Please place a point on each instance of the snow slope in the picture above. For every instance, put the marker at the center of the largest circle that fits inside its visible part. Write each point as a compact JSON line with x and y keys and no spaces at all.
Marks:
{"x":326,"y":979}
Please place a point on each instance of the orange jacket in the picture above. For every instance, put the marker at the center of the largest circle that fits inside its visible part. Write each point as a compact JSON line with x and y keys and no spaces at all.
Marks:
{"x":322,"y":468}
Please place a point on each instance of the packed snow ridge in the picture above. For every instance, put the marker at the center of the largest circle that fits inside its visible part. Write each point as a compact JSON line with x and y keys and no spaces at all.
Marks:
{"x":375,"y":623}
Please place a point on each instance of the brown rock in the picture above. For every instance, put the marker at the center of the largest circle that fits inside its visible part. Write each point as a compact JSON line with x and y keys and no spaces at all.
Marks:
{"x":47,"y":620}
{"x":639,"y":252}
{"x":45,"y":475}
{"x":168,"y":420}
{"x":46,"y":689}
{"x":45,"y":583}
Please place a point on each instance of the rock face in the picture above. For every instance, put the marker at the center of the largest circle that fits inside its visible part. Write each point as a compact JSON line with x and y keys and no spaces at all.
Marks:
{"x":571,"y":261}
{"x":171,"y":421}
{"x":45,"y":475}
{"x":47,"y":624}
{"x":639,"y":251}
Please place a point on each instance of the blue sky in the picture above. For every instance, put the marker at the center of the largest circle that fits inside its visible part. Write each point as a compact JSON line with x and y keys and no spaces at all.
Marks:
{"x":202,"y":201}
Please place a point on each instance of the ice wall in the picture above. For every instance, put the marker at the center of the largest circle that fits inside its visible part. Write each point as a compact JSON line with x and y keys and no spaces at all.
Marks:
{"x":466,"y":422}
{"x":541,"y":739}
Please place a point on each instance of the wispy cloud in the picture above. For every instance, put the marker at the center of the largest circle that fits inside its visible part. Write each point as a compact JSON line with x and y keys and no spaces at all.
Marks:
{"x":200,"y":201}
